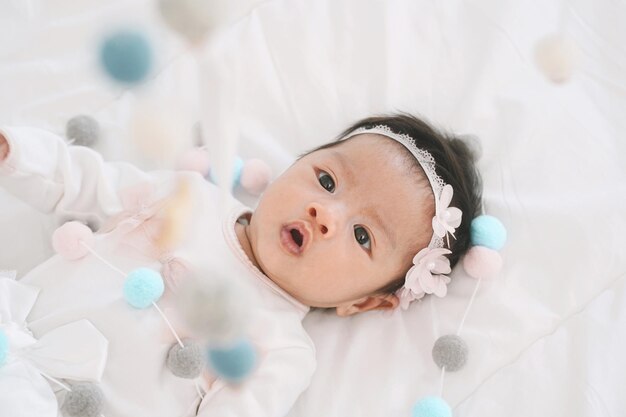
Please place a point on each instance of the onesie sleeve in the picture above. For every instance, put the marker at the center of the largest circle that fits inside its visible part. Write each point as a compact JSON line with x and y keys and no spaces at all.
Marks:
{"x":271,"y":391}
{"x":46,"y":173}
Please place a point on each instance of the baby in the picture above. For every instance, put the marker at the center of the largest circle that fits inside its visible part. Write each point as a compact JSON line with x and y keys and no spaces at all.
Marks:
{"x":371,"y":221}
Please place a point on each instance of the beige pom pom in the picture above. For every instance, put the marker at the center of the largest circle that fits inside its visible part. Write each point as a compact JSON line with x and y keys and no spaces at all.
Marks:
{"x":159,"y":131}
{"x":176,"y":218}
{"x":557,"y":57}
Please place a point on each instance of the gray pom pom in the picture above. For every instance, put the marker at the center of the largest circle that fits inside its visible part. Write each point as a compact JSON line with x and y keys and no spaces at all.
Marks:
{"x":185,"y":362}
{"x":85,"y":400}
{"x":82,"y":130}
{"x":450,"y":351}
{"x":214,"y":307}
{"x":198,"y":137}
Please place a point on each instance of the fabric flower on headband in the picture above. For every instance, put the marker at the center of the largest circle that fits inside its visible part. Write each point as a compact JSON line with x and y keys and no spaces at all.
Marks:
{"x":446,"y":219}
{"x":426,"y":276}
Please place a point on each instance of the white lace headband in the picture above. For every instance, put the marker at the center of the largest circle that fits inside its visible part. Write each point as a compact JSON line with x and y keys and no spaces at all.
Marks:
{"x":430,"y":265}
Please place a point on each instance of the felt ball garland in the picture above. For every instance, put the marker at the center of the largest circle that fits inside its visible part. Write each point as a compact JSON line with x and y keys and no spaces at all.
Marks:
{"x":72,"y":239}
{"x":185,"y":361}
{"x":557,"y":57}
{"x":253,"y":175}
{"x":483,"y":262}
{"x":190,"y":18}
{"x":431,"y":407}
{"x":126,"y":56}
{"x":4,"y":347}
{"x":82,"y":130}
{"x":84,"y":400}
{"x":215,"y":308}
{"x":487,"y":231}
{"x":142,"y":288}
{"x":450,"y":352}
{"x":233,"y":363}
{"x":196,"y":159}
{"x":237,"y":167}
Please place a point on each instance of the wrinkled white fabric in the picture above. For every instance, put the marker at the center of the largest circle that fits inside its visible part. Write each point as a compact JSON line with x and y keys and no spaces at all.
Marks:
{"x":75,"y":351}
{"x":25,"y":393}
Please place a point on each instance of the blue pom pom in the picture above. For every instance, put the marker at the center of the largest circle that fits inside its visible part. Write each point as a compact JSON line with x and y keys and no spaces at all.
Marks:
{"x":237,"y":168}
{"x":142,"y":287}
{"x":431,"y":407}
{"x":233,"y":364}
{"x":4,"y":347}
{"x":126,"y":56}
{"x":487,"y":231}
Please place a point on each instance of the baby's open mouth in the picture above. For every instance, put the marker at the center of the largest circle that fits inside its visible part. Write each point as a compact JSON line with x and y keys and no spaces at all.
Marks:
{"x":297,"y":236}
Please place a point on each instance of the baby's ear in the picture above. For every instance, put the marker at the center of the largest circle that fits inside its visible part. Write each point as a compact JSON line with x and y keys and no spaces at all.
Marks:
{"x":373,"y":302}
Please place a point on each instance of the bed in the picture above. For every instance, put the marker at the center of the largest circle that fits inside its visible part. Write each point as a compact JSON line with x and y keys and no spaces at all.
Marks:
{"x":548,"y":335}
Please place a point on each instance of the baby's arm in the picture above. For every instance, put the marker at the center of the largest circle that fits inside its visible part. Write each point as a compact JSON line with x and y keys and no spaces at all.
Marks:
{"x":271,"y":391}
{"x":73,"y":181}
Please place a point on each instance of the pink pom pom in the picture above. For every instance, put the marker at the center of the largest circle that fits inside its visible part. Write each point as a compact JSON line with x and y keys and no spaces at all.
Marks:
{"x":481,"y":262}
{"x":66,"y":240}
{"x":255,"y":176}
{"x":196,"y":159}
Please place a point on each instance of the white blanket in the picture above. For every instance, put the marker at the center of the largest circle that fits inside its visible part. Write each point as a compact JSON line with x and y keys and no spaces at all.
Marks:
{"x":547,"y":336}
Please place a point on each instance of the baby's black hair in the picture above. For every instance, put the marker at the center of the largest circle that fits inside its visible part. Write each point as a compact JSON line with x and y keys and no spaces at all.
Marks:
{"x":455,"y":164}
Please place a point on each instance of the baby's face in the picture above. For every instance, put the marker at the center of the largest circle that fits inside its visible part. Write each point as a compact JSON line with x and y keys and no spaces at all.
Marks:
{"x":341,"y":223}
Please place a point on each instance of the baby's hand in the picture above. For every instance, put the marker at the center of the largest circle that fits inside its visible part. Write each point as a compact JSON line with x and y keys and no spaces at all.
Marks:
{"x":4,"y":148}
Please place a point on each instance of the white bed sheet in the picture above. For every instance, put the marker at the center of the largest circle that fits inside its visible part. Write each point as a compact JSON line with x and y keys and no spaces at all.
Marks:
{"x":547,"y":337}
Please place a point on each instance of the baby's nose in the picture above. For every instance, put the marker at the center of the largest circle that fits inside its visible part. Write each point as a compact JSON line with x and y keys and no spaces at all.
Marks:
{"x":325,"y":218}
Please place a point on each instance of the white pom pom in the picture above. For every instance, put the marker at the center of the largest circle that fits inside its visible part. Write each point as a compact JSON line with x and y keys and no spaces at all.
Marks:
{"x":255,"y":176}
{"x":194,"y":19}
{"x":191,"y":18}
{"x":66,"y":240}
{"x":557,"y":57}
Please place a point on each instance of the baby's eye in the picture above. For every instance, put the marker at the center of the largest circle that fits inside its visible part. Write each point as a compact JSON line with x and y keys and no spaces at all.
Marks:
{"x":362,"y":237}
{"x":326,"y":181}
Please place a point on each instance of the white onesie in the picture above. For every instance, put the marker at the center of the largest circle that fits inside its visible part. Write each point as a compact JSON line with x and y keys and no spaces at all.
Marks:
{"x":74,"y":182}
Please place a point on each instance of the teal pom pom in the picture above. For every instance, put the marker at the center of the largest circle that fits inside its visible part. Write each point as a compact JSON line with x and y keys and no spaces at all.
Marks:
{"x":142,"y":287}
{"x":127,"y":56}
{"x":431,"y":407}
{"x":4,"y":347}
{"x":237,"y":168}
{"x":233,"y":364}
{"x":237,"y":171}
{"x":487,"y":231}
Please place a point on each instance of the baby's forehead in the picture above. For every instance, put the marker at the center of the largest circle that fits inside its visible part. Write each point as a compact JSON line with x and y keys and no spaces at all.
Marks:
{"x":377,"y":161}
{"x":363,"y":146}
